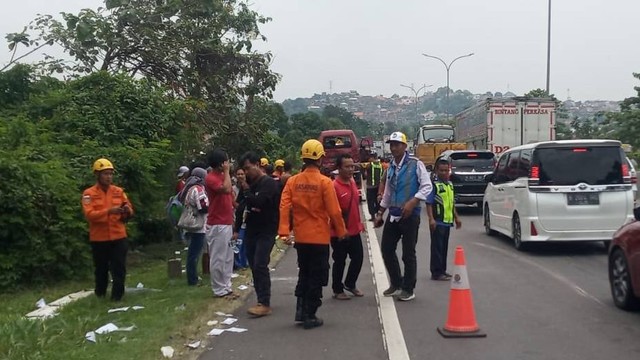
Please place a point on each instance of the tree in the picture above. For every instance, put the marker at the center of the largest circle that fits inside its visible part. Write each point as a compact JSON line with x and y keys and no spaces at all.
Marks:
{"x":625,"y":125}
{"x":200,"y":49}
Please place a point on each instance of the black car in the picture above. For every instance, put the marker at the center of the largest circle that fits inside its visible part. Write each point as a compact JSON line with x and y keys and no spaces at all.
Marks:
{"x":469,"y":170}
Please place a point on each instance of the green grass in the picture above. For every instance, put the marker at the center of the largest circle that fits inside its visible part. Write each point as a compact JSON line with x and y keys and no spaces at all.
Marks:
{"x":162,"y":322}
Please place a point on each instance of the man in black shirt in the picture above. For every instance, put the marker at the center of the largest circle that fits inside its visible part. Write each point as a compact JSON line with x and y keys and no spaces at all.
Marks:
{"x":262,"y":200}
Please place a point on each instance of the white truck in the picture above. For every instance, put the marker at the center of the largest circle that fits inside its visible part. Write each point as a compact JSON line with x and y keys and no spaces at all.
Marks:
{"x":499,"y":124}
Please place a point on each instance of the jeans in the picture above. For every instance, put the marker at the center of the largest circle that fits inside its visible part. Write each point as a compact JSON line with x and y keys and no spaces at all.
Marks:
{"x":351,"y":246}
{"x":439,"y":247}
{"x":258,"y":246}
{"x":407,"y":230}
{"x":196,"y":243}
{"x":110,"y":256}
{"x":313,"y":274}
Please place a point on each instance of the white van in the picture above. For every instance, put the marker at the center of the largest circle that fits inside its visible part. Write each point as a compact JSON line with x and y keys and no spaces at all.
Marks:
{"x":569,"y":190}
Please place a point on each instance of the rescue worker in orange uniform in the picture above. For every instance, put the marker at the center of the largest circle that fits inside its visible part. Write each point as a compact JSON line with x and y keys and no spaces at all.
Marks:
{"x":312,"y":198}
{"x":107,"y":208}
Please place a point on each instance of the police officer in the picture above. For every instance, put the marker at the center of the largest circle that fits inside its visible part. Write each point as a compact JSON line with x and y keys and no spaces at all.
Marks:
{"x":107,"y":208}
{"x":312,"y":197}
{"x":374,"y":175}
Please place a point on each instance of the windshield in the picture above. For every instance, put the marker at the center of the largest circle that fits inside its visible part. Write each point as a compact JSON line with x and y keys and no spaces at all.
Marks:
{"x":437,"y":134}
{"x":470,"y":161}
{"x":582,"y":164}
{"x":336,"y":142}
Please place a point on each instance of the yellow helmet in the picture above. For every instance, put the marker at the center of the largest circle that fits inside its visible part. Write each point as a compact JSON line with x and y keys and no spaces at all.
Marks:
{"x":102,"y":164}
{"x":278,"y":163}
{"x":312,"y":149}
{"x":264,"y":162}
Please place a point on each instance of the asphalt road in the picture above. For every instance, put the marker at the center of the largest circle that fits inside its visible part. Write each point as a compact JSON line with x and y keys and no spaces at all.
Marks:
{"x":552,"y":302}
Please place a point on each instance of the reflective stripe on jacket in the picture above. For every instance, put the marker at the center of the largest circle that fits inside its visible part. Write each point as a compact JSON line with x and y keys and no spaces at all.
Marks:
{"x":443,"y":202}
{"x":96,"y":204}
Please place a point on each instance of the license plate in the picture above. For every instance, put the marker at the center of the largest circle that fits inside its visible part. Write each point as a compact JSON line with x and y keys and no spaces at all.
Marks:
{"x":475,"y":177}
{"x":583,"y":199}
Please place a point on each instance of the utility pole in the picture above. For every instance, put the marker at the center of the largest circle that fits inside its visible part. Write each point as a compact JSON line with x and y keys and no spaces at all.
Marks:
{"x":548,"y":47}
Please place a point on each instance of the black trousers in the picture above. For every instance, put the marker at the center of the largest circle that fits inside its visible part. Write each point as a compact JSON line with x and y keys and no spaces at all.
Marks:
{"x":372,"y":201}
{"x":313,"y":274}
{"x":110,"y":256}
{"x":258,"y":249}
{"x":439,"y":247}
{"x":407,"y":230}
{"x":352,"y":247}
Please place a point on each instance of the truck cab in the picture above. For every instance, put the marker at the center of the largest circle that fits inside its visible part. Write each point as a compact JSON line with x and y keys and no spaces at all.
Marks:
{"x":337,"y":142}
{"x":432,"y":140}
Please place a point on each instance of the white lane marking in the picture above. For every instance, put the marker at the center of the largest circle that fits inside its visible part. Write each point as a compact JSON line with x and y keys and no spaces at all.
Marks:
{"x":580,"y":291}
{"x":392,"y":336}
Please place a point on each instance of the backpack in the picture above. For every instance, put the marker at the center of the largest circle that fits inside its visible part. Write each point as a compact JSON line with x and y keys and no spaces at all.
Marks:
{"x":174,"y":209}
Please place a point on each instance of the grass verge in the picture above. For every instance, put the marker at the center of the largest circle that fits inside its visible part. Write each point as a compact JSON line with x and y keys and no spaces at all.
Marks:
{"x":174,"y":316}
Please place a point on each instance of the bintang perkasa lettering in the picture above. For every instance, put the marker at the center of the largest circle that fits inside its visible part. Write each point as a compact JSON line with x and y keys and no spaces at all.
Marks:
{"x":306,"y":187}
{"x":516,"y":111}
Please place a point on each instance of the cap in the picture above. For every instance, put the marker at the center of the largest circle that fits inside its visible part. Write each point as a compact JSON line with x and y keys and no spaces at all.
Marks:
{"x":182,"y":170}
{"x":397,"y":137}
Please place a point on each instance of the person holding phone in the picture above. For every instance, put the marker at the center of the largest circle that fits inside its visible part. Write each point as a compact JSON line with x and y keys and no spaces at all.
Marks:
{"x":107,"y":209}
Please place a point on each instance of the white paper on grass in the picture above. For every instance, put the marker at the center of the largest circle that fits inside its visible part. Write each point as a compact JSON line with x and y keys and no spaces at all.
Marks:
{"x":111,"y":327}
{"x":137,"y":307}
{"x":215,"y":332}
{"x":90,"y":336}
{"x":243,"y":287}
{"x":167,"y":351}
{"x":236,"y":329}
{"x":229,"y":321}
{"x":219,"y":313}
{"x":212,"y":322}
{"x":140,"y":285}
{"x":121,"y":309}
{"x":234,"y":275}
{"x":41,"y":303}
{"x":194,"y":345}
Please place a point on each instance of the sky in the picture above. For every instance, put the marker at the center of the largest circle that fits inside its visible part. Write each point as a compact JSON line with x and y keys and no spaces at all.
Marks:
{"x":373,"y":46}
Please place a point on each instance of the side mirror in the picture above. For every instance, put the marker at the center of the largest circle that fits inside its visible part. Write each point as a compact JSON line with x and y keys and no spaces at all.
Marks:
{"x":636,"y":213}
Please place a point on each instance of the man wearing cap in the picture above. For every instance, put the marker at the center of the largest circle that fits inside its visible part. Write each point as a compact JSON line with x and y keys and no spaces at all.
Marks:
{"x":183,"y":174}
{"x":278,"y":169}
{"x":407,"y":183}
{"x":107,"y":208}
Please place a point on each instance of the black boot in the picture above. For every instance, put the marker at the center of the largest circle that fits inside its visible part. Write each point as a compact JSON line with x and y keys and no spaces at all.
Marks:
{"x":299,"y":310}
{"x":312,"y":321}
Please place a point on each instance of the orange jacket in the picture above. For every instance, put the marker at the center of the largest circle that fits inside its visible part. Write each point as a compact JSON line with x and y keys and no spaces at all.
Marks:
{"x":96,"y":204}
{"x":312,"y":199}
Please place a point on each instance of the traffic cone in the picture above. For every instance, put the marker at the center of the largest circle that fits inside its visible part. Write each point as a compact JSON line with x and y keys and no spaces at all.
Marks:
{"x":461,"y":321}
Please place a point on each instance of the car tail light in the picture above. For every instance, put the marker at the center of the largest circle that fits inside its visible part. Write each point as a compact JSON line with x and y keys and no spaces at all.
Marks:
{"x":534,"y":231}
{"x":534,"y":176}
{"x":634,"y":179}
{"x":626,"y":176}
{"x":472,"y":155}
{"x":579,"y":150}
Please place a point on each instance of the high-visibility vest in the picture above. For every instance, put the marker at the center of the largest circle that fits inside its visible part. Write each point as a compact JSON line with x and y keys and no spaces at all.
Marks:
{"x":443,"y":204}
{"x":375,"y":174}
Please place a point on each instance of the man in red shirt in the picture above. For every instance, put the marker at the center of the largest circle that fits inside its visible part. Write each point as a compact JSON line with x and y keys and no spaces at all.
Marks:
{"x":348,"y":198}
{"x":219,"y":228}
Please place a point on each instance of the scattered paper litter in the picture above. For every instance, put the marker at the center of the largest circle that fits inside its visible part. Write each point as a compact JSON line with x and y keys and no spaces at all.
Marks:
{"x":243,"y":287}
{"x":167,"y":351}
{"x":219,"y":313}
{"x":186,"y":249}
{"x":90,"y":336}
{"x":181,"y":307}
{"x":229,"y":321}
{"x":215,"y":332}
{"x":194,"y":345}
{"x":111,"y":327}
{"x":236,"y":329}
{"x":122,"y":309}
{"x":212,"y":322}
{"x":137,"y":307}
{"x":184,"y":271}
{"x":140,"y":285}
{"x":41,"y":303}
{"x":234,"y":275}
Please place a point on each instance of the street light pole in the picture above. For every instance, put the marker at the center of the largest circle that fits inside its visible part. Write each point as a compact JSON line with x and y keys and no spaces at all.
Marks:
{"x":548,"y":47}
{"x":415,"y":93}
{"x":448,"y":67}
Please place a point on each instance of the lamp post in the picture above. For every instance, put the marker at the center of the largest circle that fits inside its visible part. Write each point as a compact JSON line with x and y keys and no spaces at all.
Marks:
{"x":548,"y":46}
{"x":415,"y":93}
{"x":448,"y":67}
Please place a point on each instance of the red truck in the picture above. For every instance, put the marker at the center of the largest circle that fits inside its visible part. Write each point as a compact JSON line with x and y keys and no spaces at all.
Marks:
{"x":337,"y":142}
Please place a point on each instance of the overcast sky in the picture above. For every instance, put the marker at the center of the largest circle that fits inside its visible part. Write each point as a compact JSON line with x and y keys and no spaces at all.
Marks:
{"x":373,"y":46}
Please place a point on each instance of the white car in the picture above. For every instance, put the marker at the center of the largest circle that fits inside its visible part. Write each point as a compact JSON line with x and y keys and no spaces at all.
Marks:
{"x":569,"y":190}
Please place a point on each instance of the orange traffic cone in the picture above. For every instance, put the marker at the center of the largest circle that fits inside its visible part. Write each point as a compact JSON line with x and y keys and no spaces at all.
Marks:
{"x":461,"y":321}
